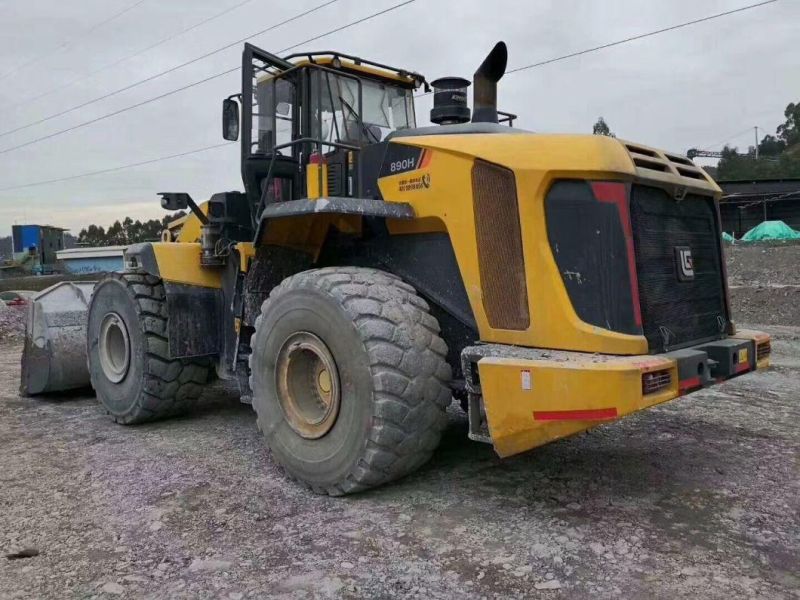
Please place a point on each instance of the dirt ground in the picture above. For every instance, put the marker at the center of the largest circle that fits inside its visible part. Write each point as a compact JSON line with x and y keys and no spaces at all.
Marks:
{"x":764,"y":281}
{"x":698,"y":498}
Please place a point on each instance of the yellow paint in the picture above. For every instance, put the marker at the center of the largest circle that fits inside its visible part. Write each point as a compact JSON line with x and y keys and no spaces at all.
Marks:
{"x":190,"y":227}
{"x":180,"y":263}
{"x":577,"y":384}
{"x":743,"y":356}
{"x":759,"y":337}
{"x":246,"y":252}
{"x":175,"y":225}
{"x":441,"y":196}
{"x":317,"y":180}
{"x":536,"y":160}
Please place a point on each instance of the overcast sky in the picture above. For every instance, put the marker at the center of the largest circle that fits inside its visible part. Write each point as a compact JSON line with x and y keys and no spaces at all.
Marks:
{"x":694,"y":87}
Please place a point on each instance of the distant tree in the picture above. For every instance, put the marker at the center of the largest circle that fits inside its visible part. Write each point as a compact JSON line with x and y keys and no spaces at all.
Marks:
{"x":602,"y":128}
{"x":771,"y":146}
{"x":126,"y":232}
{"x":789,"y":131}
{"x":778,"y":155}
{"x":92,"y":236}
{"x":734,"y":165}
{"x":115,"y":235}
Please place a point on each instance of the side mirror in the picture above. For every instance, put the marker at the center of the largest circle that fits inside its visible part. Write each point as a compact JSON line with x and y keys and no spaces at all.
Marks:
{"x":174,"y":200}
{"x":230,"y":119}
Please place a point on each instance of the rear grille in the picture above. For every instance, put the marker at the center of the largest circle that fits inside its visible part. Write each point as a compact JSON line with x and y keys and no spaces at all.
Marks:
{"x":500,"y":260}
{"x":677,"y":309}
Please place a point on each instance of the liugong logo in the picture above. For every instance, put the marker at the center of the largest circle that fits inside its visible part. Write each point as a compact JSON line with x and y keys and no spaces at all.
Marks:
{"x":684,"y":263}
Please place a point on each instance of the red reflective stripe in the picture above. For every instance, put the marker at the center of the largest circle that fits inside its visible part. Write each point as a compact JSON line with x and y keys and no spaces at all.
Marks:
{"x":687,"y":384}
{"x":742,"y":367}
{"x":614,"y":192}
{"x":589,"y":414}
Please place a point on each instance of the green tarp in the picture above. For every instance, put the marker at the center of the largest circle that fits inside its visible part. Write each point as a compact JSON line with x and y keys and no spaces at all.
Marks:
{"x":727,"y":237}
{"x":771,"y":230}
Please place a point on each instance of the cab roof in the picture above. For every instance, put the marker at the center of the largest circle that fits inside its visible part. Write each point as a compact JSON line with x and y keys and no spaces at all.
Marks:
{"x":338,"y":60}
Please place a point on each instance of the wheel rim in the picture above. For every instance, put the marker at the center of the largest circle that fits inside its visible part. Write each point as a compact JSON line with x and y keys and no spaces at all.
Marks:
{"x":308,"y":385}
{"x":114,"y":347}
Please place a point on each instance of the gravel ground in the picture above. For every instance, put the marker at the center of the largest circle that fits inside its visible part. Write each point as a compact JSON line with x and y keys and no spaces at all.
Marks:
{"x":696,"y":498}
{"x":12,"y":322}
{"x":765,"y":282}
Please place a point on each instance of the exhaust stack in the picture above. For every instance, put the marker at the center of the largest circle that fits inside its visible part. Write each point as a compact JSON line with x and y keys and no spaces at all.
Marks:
{"x":484,"y":92}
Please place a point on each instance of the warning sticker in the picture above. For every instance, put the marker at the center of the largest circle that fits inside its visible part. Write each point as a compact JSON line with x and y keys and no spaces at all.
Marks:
{"x":525,"y":376}
{"x":743,"y":356}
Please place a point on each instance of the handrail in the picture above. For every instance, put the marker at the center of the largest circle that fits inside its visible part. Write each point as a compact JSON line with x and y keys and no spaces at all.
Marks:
{"x":506,"y":117}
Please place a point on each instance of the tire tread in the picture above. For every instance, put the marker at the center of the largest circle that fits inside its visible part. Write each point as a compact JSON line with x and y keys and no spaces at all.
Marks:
{"x":408,"y":365}
{"x":170,"y":386}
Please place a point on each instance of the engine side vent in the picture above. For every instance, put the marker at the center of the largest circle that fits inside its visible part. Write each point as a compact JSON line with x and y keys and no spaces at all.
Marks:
{"x":655,"y":160}
{"x":639,"y":150}
{"x":499,"y":236}
{"x":681,"y":160}
{"x":653,"y":165}
{"x":691,"y":173}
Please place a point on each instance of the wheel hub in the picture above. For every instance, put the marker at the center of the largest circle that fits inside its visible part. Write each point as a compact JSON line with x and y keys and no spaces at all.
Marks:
{"x":114,"y":347}
{"x":308,"y":385}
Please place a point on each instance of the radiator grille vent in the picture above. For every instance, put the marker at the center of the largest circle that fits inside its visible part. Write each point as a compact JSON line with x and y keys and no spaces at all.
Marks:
{"x":499,"y":238}
{"x":676,"y":311}
{"x":655,"y":160}
{"x":653,"y":165}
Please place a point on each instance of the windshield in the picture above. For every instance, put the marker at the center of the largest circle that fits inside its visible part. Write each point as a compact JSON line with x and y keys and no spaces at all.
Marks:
{"x":384,"y":108}
{"x":336,"y":115}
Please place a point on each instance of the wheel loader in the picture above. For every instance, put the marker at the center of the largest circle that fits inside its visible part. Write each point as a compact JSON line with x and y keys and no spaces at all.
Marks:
{"x":373,"y":270}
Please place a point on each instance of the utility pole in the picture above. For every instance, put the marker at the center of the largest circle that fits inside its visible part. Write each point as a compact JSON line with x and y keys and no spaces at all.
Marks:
{"x":756,"y":129}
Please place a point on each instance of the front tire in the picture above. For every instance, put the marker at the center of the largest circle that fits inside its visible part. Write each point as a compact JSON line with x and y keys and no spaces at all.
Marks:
{"x":349,"y":378}
{"x":128,"y":352}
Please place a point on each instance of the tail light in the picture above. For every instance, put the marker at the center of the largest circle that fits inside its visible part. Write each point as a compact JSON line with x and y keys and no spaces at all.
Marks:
{"x":655,"y":381}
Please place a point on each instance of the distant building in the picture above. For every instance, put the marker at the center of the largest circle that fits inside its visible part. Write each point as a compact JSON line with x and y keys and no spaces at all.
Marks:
{"x":745,"y":204}
{"x":41,"y":241}
{"x":92,"y":260}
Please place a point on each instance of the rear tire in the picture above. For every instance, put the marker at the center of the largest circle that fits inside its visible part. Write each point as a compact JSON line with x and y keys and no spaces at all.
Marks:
{"x":128,"y":352}
{"x":349,"y":378}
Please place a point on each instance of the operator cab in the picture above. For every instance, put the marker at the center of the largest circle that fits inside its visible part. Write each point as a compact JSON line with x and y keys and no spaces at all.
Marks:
{"x":306,"y":118}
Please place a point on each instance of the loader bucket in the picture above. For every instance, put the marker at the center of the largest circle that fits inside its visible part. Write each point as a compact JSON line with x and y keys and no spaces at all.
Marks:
{"x":54,"y":356}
